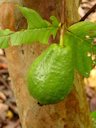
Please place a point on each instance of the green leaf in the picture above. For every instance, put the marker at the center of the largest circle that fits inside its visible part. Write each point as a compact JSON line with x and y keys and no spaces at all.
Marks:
{"x":54,"y":20}
{"x":93,"y":115}
{"x":34,"y":20}
{"x":5,"y":38}
{"x":39,"y":30}
{"x":29,"y":36}
{"x":80,"y":37}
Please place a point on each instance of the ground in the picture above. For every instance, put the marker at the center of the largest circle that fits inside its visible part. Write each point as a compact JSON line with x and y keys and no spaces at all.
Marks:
{"x":8,"y":110}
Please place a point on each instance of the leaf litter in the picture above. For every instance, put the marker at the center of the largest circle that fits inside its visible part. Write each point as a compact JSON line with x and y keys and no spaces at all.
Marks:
{"x":8,"y":110}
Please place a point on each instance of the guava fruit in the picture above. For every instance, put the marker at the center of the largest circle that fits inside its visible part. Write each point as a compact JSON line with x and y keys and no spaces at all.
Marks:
{"x":50,"y":77}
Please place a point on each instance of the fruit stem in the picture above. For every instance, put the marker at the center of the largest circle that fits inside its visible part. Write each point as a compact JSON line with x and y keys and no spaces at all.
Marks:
{"x":62,"y":35}
{"x":62,"y":23}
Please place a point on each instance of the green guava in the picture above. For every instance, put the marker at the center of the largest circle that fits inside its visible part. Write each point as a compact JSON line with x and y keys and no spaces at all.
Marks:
{"x":50,"y":77}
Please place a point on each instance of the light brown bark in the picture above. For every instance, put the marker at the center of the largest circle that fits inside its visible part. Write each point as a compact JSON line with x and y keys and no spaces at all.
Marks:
{"x":73,"y":111}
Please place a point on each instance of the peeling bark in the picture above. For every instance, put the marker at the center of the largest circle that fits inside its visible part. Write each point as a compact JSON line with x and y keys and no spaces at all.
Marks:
{"x":73,"y":111}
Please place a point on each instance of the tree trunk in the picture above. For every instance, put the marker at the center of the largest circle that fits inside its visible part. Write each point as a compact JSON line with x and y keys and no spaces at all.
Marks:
{"x":72,"y":112}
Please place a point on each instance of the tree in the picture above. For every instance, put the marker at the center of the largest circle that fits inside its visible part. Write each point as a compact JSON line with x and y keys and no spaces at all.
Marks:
{"x":73,"y":111}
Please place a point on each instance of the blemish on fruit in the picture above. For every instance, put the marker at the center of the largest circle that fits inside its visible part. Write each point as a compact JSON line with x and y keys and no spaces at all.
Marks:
{"x":40,"y":104}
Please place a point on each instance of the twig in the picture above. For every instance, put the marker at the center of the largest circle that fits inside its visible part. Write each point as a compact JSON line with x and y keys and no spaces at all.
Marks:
{"x":88,"y":13}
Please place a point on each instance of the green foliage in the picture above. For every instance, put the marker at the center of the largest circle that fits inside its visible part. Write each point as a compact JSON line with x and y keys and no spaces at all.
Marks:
{"x":80,"y":37}
{"x":93,"y":116}
{"x":38,"y":30}
{"x":5,"y":38}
